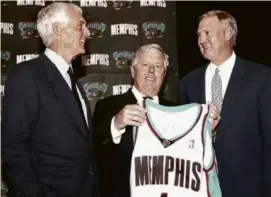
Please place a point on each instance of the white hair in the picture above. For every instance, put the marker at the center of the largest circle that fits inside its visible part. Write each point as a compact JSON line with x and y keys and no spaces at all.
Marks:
{"x":57,"y":12}
{"x":146,"y":48}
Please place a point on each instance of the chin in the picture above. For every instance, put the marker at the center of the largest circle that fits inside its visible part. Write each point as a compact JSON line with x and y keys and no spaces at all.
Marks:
{"x":207,"y":56}
{"x":151,"y":92}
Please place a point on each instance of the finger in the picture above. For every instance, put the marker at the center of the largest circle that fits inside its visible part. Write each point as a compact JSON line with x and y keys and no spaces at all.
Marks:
{"x":135,"y":112}
{"x":213,"y":107}
{"x":137,"y":118}
{"x":136,"y":107}
{"x":212,"y":116}
{"x":215,"y":113}
{"x":134,"y":123}
{"x":213,"y":120}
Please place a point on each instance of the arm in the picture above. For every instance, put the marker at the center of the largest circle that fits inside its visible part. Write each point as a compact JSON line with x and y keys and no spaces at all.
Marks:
{"x":101,"y":124}
{"x":265,"y":118}
{"x":19,"y":116}
{"x":107,"y":128}
{"x":116,"y":133}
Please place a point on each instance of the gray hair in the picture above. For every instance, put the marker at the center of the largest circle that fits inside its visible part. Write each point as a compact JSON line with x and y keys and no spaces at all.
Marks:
{"x":56,"y":12}
{"x":225,"y":19}
{"x":146,"y":48}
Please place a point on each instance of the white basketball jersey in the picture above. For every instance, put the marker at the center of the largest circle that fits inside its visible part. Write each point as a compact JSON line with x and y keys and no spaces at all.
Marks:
{"x":173,"y":154}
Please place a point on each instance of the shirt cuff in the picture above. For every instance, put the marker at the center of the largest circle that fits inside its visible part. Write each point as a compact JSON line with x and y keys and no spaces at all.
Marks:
{"x":116,"y":134}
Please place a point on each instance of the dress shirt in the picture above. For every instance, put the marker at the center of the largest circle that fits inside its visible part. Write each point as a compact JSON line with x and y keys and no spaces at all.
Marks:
{"x":63,"y":67}
{"x":225,"y":70}
{"x":117,"y":134}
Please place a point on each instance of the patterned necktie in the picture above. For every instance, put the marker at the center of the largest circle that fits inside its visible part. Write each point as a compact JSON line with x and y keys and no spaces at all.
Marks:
{"x":217,"y":97}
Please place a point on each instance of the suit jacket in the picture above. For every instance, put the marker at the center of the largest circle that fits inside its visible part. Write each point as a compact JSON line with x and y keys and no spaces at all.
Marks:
{"x":243,"y":141}
{"x":46,"y":146}
{"x":114,"y":160}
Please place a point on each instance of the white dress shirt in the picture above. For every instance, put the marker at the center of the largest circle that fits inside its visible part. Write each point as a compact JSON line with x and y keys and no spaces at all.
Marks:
{"x":225,"y":71}
{"x":117,"y":134}
{"x":63,"y":67}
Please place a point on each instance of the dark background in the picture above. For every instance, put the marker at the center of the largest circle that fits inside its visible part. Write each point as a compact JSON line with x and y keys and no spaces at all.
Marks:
{"x":254,"y":34}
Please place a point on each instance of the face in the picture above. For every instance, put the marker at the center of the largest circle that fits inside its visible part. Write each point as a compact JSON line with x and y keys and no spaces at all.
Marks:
{"x":149,"y":72}
{"x":213,"y":39}
{"x":75,"y":34}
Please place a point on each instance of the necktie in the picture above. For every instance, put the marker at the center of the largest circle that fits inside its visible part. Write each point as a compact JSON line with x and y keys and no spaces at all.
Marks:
{"x":145,"y":97}
{"x":74,"y":83}
{"x":217,"y":97}
{"x":141,"y":104}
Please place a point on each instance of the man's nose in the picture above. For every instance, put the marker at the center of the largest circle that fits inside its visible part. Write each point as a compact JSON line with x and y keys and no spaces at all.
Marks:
{"x":151,"y":68}
{"x":201,"y":39}
{"x":86,"y":32}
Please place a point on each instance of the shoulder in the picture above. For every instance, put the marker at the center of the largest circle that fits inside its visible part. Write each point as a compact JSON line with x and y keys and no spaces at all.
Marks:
{"x":112,"y":104}
{"x":111,"y":99}
{"x":255,"y":71}
{"x":21,"y":72}
{"x":194,"y":74}
{"x":23,"y":68}
{"x":255,"y":67}
{"x":115,"y":101}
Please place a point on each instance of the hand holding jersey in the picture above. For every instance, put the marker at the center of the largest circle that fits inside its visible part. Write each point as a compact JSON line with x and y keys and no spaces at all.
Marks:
{"x":133,"y":115}
{"x":214,"y":116}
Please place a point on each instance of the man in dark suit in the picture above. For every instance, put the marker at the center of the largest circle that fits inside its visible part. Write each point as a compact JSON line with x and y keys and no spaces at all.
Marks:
{"x":242,"y":90}
{"x":46,"y":123}
{"x":115,"y":116}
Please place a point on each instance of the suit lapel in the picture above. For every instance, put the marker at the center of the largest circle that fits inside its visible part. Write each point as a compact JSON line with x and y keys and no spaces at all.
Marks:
{"x":237,"y":84}
{"x":128,"y":141}
{"x":129,"y":97}
{"x":64,"y":95}
{"x":82,"y":91}
{"x":199,"y":86}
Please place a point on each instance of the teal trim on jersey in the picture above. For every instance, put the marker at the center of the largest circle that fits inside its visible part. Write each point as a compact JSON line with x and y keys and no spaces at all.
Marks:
{"x":213,"y":183}
{"x":207,"y":130}
{"x":171,"y":109}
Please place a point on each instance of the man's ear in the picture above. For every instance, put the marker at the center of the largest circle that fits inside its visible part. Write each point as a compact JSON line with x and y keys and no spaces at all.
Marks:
{"x":58,"y":29}
{"x":228,"y":34}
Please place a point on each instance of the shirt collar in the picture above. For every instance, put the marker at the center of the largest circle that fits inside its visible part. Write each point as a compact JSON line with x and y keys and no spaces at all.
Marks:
{"x":225,"y":66}
{"x":139,"y":96}
{"x":60,"y":63}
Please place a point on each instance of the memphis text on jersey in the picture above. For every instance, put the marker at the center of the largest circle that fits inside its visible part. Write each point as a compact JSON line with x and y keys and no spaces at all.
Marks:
{"x":155,"y":170}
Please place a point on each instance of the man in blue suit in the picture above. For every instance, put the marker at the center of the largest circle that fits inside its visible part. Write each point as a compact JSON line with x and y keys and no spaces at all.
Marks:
{"x":46,"y":121}
{"x":242,"y":90}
